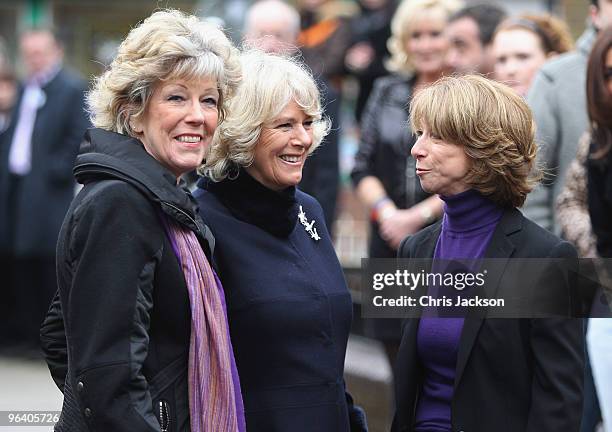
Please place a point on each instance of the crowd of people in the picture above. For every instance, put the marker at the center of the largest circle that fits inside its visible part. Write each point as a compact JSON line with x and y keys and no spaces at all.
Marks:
{"x":170,"y":225}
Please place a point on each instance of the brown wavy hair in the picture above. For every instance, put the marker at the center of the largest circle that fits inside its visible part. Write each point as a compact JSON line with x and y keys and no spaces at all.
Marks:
{"x":599,"y":99}
{"x":494,"y":126}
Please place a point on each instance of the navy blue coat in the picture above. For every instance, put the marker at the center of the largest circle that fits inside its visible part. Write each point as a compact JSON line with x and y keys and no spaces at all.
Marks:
{"x":289,"y":308}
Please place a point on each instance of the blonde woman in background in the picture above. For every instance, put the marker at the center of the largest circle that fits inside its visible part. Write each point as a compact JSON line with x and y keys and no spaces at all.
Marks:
{"x":383,"y":175}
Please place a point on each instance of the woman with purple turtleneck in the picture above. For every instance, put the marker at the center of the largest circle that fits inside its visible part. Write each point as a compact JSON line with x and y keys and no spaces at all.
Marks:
{"x":476,"y":149}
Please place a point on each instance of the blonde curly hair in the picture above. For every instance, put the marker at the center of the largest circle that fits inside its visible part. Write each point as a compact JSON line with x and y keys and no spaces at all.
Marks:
{"x":270,"y":83}
{"x":403,"y":22}
{"x":493,"y":125}
{"x":167,"y":45}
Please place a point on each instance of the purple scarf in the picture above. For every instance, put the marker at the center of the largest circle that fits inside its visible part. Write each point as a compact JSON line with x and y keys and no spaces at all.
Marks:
{"x":215,"y":400}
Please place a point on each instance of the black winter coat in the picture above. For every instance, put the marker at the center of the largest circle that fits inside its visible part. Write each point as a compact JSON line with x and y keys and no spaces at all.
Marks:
{"x":384,"y":150}
{"x":117,"y":338}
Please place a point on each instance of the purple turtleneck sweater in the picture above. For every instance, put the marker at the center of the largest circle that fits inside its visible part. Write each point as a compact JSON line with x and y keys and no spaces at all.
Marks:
{"x":467,"y":227}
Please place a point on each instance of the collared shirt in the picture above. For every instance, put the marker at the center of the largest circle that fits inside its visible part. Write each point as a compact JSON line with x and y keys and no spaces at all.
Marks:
{"x":20,"y":154}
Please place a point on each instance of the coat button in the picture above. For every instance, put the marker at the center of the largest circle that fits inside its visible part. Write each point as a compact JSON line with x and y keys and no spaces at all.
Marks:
{"x":80,"y":386}
{"x":87,"y":412}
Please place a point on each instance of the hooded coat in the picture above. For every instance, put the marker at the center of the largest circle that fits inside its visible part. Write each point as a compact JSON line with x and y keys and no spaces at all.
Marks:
{"x":116,"y":338}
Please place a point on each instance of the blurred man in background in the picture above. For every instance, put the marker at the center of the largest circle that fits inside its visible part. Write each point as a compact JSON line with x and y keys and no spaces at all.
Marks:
{"x":37,"y":153}
{"x":470,"y":31}
{"x":272,"y":26}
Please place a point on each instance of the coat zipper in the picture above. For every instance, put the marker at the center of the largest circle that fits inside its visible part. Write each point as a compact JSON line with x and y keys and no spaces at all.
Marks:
{"x":164,"y":416}
{"x":178,"y":209}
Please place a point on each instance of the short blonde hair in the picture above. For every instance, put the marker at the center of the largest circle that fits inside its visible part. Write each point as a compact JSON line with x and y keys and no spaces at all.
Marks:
{"x":495,"y":127}
{"x":270,"y":83}
{"x":167,"y":45}
{"x":407,"y":14}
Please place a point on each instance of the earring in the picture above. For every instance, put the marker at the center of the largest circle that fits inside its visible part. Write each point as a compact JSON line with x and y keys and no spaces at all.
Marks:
{"x":136,"y":130}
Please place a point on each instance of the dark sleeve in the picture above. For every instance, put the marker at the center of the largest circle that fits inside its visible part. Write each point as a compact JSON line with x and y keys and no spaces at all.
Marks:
{"x":558,"y":348}
{"x":335,"y":50}
{"x":75,"y":123}
{"x":53,"y":342}
{"x":357,"y":416}
{"x":369,"y":140}
{"x":403,"y":251}
{"x":321,"y":171}
{"x":114,"y":251}
{"x":600,"y":205}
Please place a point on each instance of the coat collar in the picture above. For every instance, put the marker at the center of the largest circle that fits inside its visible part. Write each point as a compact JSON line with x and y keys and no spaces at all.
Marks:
{"x":108,"y":155}
{"x":500,"y":246}
{"x":250,"y":201}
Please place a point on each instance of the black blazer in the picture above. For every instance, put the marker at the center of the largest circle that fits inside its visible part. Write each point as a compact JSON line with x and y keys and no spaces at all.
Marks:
{"x":512,"y":374}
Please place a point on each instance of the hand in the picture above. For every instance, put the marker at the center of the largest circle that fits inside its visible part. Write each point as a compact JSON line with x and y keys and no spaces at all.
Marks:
{"x":398,"y":225}
{"x":359,"y":56}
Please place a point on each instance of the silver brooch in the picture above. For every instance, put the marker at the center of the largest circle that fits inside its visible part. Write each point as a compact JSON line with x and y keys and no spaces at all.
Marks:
{"x":309,"y":227}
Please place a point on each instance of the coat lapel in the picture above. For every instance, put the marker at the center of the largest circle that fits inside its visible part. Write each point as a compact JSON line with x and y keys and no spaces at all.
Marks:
{"x":501,"y":249}
{"x":425,"y":249}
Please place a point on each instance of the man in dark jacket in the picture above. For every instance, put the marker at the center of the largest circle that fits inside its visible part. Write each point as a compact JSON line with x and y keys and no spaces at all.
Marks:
{"x":470,"y":31}
{"x":37,"y":152}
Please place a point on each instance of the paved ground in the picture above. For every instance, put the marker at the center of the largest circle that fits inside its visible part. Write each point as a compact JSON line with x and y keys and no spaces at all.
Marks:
{"x":25,"y":385}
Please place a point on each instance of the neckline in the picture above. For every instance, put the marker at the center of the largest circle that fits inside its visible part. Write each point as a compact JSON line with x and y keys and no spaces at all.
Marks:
{"x":469,"y":212}
{"x":252,"y":202}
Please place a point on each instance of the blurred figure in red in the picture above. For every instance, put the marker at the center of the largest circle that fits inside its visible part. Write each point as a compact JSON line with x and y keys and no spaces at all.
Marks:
{"x":325,"y":36}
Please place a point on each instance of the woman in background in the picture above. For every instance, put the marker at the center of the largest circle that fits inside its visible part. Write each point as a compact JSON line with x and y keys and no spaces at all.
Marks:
{"x":523,"y":44}
{"x":383,"y":175}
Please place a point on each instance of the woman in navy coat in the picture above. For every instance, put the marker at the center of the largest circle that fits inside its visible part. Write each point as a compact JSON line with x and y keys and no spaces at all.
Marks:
{"x":470,"y":373}
{"x":289,"y":308}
